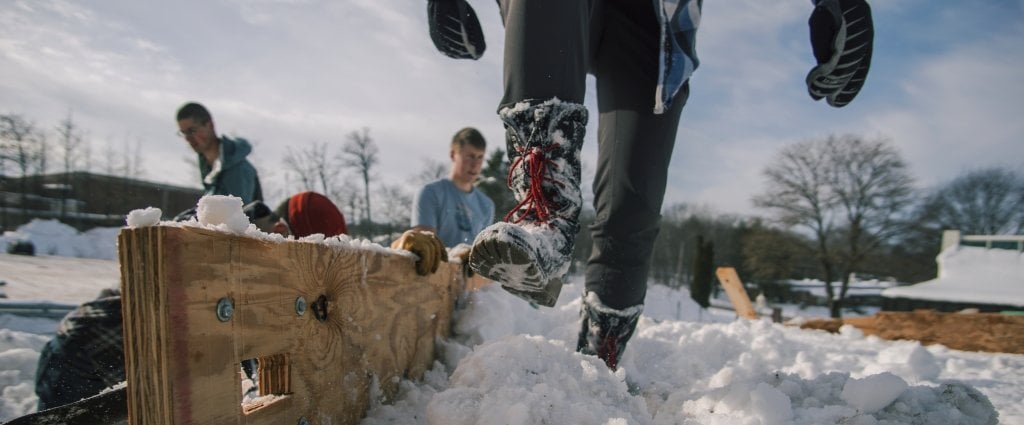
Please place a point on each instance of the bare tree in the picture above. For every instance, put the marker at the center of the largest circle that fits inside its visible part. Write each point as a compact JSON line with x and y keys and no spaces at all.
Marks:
{"x":110,"y":157}
{"x":347,"y":197}
{"x":848,"y":192}
{"x":69,"y":140}
{"x":127,"y":161}
{"x":360,"y":154}
{"x":132,"y":159}
{"x":314,"y":168}
{"x":771,"y":254}
{"x":987,"y":201}
{"x":22,"y":146}
{"x":396,"y":204}
{"x":432,"y":171}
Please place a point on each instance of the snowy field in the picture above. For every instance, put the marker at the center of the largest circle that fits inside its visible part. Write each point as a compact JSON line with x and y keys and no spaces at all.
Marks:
{"x":512,"y":364}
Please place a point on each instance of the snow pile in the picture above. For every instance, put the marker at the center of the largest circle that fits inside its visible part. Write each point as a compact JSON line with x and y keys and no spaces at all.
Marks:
{"x":972,"y":274}
{"x":51,"y":237}
{"x":513,"y":364}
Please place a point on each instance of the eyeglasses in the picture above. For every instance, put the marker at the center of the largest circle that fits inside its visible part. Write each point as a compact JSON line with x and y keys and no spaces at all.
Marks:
{"x":188,"y":132}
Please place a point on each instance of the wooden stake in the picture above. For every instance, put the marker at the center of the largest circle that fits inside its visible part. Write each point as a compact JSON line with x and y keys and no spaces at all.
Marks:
{"x":737,"y":294}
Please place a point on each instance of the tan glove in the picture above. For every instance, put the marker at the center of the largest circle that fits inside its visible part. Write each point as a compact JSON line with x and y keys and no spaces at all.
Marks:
{"x":426,"y":245}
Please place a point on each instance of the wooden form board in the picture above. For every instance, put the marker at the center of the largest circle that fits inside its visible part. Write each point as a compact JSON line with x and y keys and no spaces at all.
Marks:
{"x":182,"y":360}
{"x":737,"y":294}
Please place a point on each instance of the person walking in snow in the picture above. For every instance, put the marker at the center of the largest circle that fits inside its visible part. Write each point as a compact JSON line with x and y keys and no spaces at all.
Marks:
{"x":452,"y":207}
{"x":642,"y":54}
{"x":223,"y":166}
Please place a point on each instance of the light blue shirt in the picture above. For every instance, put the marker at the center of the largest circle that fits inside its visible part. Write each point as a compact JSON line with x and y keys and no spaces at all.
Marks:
{"x":457,"y":216}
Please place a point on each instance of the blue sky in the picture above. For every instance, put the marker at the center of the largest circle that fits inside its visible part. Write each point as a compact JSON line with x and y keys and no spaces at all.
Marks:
{"x":944,"y":86}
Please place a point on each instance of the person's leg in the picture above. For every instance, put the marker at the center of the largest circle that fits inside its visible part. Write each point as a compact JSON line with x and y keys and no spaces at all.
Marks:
{"x":546,"y":45}
{"x":635,"y":147}
{"x":546,"y":50}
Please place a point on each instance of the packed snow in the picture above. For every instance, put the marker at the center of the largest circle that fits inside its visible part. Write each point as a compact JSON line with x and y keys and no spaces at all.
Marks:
{"x":510,"y":363}
{"x":972,"y":274}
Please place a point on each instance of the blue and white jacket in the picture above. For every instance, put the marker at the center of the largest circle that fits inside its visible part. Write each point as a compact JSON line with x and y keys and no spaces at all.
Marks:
{"x":678,"y":58}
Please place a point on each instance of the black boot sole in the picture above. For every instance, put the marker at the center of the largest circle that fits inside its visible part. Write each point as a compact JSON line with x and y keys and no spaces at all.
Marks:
{"x":512,"y":267}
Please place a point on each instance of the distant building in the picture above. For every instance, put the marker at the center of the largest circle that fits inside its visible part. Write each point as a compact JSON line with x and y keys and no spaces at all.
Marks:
{"x":980,"y":272}
{"x":86,"y":200}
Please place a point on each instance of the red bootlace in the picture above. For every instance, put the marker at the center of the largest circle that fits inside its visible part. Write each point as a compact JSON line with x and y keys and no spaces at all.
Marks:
{"x":609,"y":344}
{"x":536,"y":168}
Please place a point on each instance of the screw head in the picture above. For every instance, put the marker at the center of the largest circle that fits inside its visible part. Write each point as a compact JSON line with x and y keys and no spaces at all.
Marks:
{"x":300,"y":306}
{"x":225,"y":309}
{"x":303,"y":421}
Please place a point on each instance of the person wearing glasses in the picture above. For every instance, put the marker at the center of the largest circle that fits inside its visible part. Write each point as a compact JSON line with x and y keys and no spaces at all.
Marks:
{"x":223,"y":168}
{"x":452,"y":207}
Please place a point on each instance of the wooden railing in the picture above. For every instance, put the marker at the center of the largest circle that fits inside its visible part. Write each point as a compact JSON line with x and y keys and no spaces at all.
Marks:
{"x":953,"y":237}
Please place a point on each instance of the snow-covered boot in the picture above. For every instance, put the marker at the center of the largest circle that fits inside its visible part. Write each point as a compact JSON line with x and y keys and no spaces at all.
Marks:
{"x":531,"y":250}
{"x":605,"y":331}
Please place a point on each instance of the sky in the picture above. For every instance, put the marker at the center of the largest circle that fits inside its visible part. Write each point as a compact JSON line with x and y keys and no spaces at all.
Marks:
{"x":684,"y":365}
{"x":944,"y":85}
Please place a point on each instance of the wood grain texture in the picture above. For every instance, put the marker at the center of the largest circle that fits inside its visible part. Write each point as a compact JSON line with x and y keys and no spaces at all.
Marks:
{"x":737,"y":294}
{"x":182,"y":362}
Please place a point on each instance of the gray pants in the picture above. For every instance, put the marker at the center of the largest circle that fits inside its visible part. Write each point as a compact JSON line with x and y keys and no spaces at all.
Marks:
{"x":550,"y":46}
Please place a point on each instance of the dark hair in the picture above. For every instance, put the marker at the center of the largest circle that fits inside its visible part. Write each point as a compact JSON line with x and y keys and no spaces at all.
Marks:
{"x":468,"y":136}
{"x":195,"y":111}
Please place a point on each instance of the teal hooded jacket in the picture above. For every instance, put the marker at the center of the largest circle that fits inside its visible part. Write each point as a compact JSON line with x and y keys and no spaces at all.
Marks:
{"x":231,"y":174}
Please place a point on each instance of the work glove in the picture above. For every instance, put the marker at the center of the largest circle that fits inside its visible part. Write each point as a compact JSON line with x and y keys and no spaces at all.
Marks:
{"x":424,"y":244}
{"x":455,"y":29}
{"x":842,"y":36}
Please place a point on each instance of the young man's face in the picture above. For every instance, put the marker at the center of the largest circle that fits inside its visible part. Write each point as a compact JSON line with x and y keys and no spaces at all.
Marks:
{"x":198,"y":134}
{"x":467,"y":162}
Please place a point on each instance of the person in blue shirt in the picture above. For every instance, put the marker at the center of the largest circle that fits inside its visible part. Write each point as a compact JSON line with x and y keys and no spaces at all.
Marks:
{"x":452,"y":207}
{"x":223,"y":166}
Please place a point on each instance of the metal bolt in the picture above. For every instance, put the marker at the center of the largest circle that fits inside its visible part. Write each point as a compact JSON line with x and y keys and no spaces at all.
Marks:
{"x":300,"y":306}
{"x":225,"y":308}
{"x":320,"y":308}
{"x":303,"y":421}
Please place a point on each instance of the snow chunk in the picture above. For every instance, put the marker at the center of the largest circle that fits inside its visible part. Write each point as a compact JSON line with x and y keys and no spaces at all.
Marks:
{"x":874,"y":392}
{"x":223,"y":212}
{"x":144,"y":217}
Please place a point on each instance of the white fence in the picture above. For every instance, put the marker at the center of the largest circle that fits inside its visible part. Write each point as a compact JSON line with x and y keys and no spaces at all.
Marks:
{"x":953,"y":237}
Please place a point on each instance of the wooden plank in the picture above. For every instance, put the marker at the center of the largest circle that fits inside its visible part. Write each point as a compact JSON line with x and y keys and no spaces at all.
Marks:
{"x":737,"y":294}
{"x":476,"y":282}
{"x":183,"y":362}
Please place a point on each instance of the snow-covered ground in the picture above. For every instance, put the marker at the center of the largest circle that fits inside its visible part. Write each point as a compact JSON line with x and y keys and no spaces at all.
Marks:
{"x":509,"y":363}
